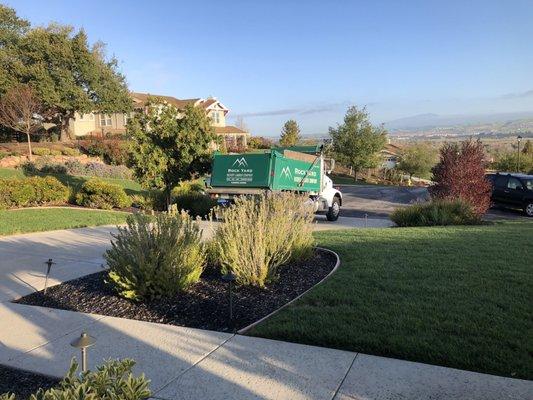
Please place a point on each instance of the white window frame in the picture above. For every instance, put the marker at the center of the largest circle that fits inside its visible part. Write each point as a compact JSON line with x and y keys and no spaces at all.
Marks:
{"x":126,"y":118}
{"x":215,"y":117}
{"x":105,"y":120}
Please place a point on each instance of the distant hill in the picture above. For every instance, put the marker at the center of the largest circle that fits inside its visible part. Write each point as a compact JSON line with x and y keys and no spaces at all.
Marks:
{"x":436,"y":120}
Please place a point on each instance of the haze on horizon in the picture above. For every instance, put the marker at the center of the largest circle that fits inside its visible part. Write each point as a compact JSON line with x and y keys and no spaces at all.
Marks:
{"x":310,"y":60}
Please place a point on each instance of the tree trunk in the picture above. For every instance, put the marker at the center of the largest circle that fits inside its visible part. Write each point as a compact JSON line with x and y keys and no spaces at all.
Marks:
{"x":65,"y":122}
{"x":29,"y":146}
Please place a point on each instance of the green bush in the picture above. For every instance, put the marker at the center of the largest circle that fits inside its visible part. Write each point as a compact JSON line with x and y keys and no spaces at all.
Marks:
{"x":436,"y":212}
{"x":187,"y":187}
{"x":33,"y":191}
{"x":112,"y":381}
{"x":96,"y":193}
{"x":44,"y":166}
{"x":55,"y":152}
{"x":259,"y":235}
{"x":69,"y":151}
{"x":156,"y":257}
{"x":41,"y":151}
{"x":196,"y":204}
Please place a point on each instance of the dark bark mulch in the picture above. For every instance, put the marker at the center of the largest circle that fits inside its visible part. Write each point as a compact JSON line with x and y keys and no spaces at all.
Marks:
{"x":204,"y":306}
{"x":23,"y":383}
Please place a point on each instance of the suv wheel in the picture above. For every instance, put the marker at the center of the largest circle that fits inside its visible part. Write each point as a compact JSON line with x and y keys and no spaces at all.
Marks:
{"x":528,"y":209}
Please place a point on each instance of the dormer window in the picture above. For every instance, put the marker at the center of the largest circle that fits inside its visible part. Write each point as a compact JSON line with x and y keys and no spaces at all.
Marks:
{"x":215,"y":116}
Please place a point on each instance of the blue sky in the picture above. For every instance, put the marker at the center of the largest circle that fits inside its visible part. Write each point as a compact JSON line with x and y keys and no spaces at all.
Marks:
{"x":309,"y":60}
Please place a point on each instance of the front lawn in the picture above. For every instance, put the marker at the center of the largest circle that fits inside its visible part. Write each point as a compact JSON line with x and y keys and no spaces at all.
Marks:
{"x":48,"y":219}
{"x":453,"y":296}
{"x":75,"y":181}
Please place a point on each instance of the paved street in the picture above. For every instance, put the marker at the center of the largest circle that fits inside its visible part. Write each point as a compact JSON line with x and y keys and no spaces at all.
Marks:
{"x":188,"y":363}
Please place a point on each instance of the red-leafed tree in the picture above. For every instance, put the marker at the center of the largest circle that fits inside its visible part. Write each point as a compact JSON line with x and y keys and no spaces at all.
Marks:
{"x":460,"y":174}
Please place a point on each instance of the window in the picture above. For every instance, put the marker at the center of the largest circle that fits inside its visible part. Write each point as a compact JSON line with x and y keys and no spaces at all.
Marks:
{"x":501,"y":181}
{"x":105,"y":120}
{"x":215,"y":117}
{"x":126,"y":118}
{"x":514,"y":184}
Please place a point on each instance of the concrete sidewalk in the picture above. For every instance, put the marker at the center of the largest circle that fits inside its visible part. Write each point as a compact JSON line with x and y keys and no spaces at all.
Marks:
{"x":188,"y":363}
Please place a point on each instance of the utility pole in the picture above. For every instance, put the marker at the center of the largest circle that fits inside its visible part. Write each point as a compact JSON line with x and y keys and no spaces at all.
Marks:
{"x":518,"y":159}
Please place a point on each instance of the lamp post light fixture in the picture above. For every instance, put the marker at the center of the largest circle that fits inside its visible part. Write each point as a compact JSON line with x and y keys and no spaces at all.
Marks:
{"x":48,"y":264}
{"x":83,"y":342}
{"x":518,"y":138}
{"x":230,"y":278}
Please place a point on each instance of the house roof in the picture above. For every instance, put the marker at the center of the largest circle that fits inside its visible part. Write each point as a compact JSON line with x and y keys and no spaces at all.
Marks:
{"x":392,"y":149}
{"x":228,"y":129}
{"x":140,"y":99}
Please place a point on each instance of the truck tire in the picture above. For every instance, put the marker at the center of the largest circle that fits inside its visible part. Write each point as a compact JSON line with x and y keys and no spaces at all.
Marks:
{"x":528,"y":209}
{"x":334,"y":210}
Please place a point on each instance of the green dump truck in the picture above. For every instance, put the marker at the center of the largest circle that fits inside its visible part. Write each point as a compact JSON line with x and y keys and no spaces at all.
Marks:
{"x":276,"y":170}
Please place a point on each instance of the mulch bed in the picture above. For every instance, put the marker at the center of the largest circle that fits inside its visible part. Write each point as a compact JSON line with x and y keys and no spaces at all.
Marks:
{"x":204,"y":306}
{"x":23,"y":383}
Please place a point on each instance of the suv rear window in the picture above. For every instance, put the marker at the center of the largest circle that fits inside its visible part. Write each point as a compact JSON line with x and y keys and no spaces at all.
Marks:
{"x":528,"y":183}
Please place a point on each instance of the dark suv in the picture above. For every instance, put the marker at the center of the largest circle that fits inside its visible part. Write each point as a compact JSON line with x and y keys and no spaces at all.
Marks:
{"x":513,"y":190}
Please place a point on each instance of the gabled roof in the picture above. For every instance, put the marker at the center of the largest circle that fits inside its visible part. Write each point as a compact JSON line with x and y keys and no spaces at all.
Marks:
{"x":140,"y":100}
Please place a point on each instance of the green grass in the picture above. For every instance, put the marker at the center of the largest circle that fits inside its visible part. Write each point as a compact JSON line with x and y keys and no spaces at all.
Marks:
{"x":75,"y":181}
{"x":454,"y":296}
{"x":48,"y":219}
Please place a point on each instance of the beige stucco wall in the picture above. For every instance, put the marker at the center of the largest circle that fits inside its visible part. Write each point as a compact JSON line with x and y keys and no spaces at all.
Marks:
{"x":82,"y":126}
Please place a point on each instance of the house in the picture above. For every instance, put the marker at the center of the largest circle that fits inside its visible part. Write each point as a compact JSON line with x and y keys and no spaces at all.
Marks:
{"x":94,"y":124}
{"x":390,"y":156}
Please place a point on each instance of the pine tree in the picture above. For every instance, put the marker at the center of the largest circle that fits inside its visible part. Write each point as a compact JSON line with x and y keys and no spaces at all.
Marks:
{"x":290,"y":133}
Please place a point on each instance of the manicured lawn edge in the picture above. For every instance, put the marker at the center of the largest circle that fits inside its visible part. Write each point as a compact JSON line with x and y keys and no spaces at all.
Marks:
{"x":45,"y":219}
{"x":337,"y":264}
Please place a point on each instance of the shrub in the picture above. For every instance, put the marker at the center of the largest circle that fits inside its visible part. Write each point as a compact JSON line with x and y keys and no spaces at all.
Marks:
{"x":41,"y":151}
{"x":112,"y":151}
{"x":156,"y":257}
{"x":460,"y":174}
{"x":186,"y":187}
{"x":96,"y":193}
{"x":111,"y":381}
{"x":34,"y":191}
{"x":69,"y":151}
{"x":55,"y":152}
{"x":259,"y":235}
{"x":42,"y":165}
{"x":437,"y":212}
{"x":196,"y":204}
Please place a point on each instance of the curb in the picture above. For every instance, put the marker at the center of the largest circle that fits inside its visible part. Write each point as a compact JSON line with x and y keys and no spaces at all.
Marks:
{"x":337,"y":264}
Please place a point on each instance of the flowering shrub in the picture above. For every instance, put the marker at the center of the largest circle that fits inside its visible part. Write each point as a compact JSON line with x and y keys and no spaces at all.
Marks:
{"x":73,"y":167}
{"x":259,"y":235}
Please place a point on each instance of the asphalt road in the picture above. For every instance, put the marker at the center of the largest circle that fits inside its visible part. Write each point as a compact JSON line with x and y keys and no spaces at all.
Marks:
{"x":379,"y":201}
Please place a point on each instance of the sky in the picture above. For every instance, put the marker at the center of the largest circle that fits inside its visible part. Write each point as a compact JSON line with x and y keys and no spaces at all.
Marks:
{"x":308,"y":60}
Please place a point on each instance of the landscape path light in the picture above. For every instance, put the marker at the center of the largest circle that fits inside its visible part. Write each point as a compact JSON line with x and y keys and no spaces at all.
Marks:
{"x":83,"y":343}
{"x":518,"y":138}
{"x":48,"y":264}
{"x":230,"y":278}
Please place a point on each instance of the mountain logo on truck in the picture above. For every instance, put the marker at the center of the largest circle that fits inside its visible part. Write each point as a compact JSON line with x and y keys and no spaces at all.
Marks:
{"x":240,"y":162}
{"x":286,"y":172}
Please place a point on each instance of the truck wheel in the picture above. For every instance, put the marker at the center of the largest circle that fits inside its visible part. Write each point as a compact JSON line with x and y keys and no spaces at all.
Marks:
{"x":528,"y":209}
{"x":334,"y":210}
